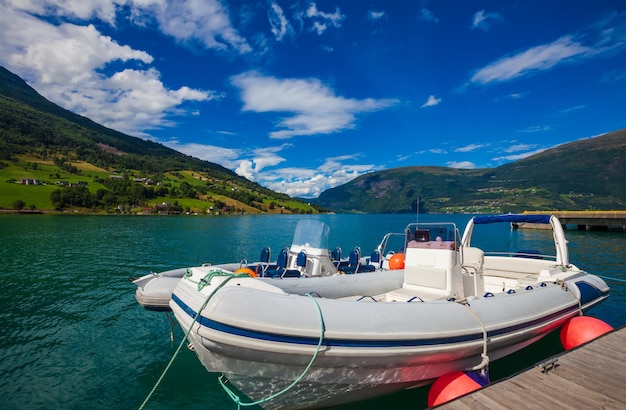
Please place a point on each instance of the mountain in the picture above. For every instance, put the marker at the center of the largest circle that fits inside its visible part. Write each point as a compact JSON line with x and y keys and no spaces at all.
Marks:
{"x":585,"y":174}
{"x":111,"y":170}
{"x":82,"y":164}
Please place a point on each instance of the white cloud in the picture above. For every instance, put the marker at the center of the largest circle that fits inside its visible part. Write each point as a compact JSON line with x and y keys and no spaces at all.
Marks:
{"x":605,"y":37}
{"x":260,"y":159}
{"x":375,"y":15}
{"x":461,"y":164}
{"x":520,"y":147}
{"x":66,"y":64}
{"x":206,"y":21}
{"x":314,"y":108}
{"x":319,"y":27}
{"x":66,"y":54}
{"x":246,"y":170}
{"x":226,"y":157}
{"x":431,"y":102}
{"x":310,"y":183}
{"x":80,"y":9}
{"x":428,"y":15}
{"x":483,"y":20}
{"x":279,"y":23}
{"x":259,"y":165}
{"x":574,"y":108}
{"x":518,"y":156}
{"x":533,"y":129}
{"x":322,"y":20}
{"x":470,"y":147}
{"x":537,"y":58}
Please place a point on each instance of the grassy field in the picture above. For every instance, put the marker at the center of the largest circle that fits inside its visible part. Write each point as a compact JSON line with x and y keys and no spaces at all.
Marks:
{"x":48,"y":174}
{"x":50,"y":177}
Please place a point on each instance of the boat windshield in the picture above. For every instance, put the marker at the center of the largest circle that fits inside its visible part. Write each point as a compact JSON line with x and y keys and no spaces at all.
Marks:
{"x":444,"y":234}
{"x":310,"y":233}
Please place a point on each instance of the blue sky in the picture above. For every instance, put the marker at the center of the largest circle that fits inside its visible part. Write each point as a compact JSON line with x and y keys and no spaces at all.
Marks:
{"x":302,"y":96}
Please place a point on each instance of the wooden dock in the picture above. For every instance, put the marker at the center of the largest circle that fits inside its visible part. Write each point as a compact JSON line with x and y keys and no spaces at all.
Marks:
{"x":586,"y":220}
{"x":592,"y":376}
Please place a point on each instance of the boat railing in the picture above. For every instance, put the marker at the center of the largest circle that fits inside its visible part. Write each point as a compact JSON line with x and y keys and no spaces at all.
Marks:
{"x":393,"y":237}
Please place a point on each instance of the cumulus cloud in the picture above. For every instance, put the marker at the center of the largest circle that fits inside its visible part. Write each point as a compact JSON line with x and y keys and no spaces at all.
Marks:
{"x":484,"y":20}
{"x":68,"y":64}
{"x":66,"y":53}
{"x":260,"y":165}
{"x":205,"y":21}
{"x":226,"y":157}
{"x":431,"y":102}
{"x":314,"y":108}
{"x":201,"y":21}
{"x":260,"y":159}
{"x":310,"y":183}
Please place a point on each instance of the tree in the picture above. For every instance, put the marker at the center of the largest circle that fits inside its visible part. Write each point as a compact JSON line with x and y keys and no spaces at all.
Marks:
{"x":18,"y":205}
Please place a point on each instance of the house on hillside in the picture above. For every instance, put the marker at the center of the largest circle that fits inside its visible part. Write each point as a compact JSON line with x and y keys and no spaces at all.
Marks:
{"x":30,"y":181}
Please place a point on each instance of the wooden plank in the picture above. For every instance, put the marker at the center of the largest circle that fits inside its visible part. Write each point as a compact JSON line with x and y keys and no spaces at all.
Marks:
{"x":591,"y":376}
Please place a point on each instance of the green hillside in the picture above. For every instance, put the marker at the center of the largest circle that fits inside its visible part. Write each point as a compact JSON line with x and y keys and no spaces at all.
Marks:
{"x":586,"y":174}
{"x":51,"y":158}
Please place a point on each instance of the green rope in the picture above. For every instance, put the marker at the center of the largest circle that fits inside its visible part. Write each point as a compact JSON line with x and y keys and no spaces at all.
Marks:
{"x":204,"y":281}
{"x":237,"y":399}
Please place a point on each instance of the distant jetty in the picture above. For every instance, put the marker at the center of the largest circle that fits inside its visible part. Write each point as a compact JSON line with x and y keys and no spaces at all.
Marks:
{"x":584,"y":220}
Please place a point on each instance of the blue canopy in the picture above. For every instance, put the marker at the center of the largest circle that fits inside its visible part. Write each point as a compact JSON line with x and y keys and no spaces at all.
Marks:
{"x":535,"y":219}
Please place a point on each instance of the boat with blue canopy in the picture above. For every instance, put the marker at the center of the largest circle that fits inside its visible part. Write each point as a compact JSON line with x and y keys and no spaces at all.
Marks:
{"x":437,"y":305}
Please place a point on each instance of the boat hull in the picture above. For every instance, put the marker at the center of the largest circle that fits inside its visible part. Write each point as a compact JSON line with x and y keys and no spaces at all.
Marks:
{"x":263,"y":338}
{"x":154,"y":291}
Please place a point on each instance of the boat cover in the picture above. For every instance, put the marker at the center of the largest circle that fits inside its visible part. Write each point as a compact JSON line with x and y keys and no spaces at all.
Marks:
{"x":535,"y":219}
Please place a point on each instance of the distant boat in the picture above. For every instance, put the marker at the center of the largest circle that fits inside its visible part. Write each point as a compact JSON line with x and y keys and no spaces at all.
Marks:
{"x":321,"y":343}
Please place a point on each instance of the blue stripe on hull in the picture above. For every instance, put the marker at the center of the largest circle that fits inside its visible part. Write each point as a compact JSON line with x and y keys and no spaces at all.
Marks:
{"x":272,"y":337}
{"x":589,"y":293}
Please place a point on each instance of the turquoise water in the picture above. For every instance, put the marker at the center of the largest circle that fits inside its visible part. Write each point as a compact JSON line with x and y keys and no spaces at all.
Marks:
{"x":73,"y":336}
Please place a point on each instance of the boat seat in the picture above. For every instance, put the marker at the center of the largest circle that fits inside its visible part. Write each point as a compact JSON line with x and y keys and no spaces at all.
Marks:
{"x":354,"y":260}
{"x":280,"y":267}
{"x":373,"y":262}
{"x":472,"y":271}
{"x":473,"y":260}
{"x":335,"y":256}
{"x":264,"y":261}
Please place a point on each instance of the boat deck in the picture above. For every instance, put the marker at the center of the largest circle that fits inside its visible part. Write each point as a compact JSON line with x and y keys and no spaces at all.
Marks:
{"x":590,"y":377}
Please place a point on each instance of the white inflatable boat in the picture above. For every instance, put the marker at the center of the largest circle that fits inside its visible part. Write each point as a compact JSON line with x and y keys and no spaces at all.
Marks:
{"x":344,"y":338}
{"x":307,"y":258}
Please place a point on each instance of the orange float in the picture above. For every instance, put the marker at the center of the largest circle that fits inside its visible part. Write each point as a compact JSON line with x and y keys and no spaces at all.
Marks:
{"x":247,"y":271}
{"x":581,"y":329}
{"x":396,"y":261}
{"x":452,"y":385}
